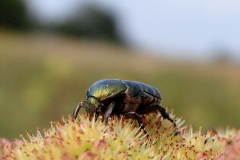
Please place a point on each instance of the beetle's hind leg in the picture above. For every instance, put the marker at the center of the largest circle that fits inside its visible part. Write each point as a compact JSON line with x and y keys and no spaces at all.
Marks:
{"x":162,"y":110}
{"x":165,"y":114}
{"x":153,"y":107}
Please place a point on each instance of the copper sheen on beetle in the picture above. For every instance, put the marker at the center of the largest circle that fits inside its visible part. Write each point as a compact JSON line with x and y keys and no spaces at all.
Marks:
{"x":114,"y":97}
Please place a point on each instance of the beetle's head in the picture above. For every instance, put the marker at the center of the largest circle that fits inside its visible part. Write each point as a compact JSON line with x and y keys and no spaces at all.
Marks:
{"x":91,"y":105}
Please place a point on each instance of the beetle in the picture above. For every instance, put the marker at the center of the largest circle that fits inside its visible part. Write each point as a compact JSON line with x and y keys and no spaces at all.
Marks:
{"x":114,"y":97}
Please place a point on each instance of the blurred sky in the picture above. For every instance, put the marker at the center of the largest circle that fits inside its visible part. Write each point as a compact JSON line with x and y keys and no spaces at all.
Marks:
{"x":183,"y":27}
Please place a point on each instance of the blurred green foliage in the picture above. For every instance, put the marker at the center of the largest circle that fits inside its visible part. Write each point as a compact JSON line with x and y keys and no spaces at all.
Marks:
{"x":44,"y":77}
{"x":90,"y":21}
{"x":14,"y":15}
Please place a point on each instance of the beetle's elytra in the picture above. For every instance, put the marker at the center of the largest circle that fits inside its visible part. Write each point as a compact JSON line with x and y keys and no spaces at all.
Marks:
{"x":129,"y":98}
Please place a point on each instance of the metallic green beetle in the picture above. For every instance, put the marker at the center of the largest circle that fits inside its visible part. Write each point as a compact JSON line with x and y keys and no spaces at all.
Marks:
{"x":129,"y":98}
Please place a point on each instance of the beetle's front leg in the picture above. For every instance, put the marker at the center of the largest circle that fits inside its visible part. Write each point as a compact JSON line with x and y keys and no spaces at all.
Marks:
{"x":98,"y":111}
{"x":108,"y":112}
{"x":77,"y":109}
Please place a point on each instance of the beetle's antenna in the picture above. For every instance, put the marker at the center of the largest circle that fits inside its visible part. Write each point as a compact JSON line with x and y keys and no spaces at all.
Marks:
{"x":80,"y":105}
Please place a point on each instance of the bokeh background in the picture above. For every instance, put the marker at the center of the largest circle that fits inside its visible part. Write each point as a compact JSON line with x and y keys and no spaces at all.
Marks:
{"x":52,"y":51}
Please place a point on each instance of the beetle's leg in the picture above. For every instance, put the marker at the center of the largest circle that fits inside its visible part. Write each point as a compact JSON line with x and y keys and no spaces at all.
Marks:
{"x":165,"y":114}
{"x":163,"y":111}
{"x":108,"y":112}
{"x":98,"y":110}
{"x":153,"y":107}
{"x":137,"y":116}
{"x":134,"y":115}
{"x":77,"y":109}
